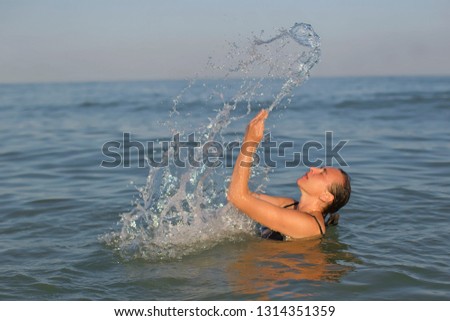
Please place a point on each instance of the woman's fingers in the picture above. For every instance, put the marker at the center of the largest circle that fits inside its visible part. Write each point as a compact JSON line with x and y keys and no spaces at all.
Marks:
{"x":265,"y":113}
{"x":259,"y":118}
{"x":262,"y":115}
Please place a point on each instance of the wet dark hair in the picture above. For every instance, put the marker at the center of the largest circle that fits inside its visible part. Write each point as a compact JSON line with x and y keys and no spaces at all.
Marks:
{"x":341,"y":193}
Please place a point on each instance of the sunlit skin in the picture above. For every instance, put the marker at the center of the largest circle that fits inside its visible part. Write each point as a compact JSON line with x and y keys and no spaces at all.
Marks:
{"x":269,"y":210}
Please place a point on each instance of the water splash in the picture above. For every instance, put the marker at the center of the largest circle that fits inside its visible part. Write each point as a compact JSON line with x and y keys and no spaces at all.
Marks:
{"x":183,"y":210}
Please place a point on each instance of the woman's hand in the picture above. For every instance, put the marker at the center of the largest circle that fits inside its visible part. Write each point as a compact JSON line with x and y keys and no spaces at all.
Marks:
{"x":255,"y":128}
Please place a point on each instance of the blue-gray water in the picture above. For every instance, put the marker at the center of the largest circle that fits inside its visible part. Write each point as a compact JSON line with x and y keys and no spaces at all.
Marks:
{"x":60,"y":208}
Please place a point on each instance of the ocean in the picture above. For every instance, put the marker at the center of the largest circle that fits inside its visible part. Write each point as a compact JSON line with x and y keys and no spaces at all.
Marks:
{"x":89,"y":210}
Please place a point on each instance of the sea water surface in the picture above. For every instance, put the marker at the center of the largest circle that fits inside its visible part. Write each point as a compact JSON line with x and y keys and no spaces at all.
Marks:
{"x":71,"y":229}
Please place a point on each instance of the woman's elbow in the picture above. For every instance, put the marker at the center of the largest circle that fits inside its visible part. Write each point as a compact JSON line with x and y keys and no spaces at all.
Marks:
{"x":231,"y":197}
{"x":238,"y":199}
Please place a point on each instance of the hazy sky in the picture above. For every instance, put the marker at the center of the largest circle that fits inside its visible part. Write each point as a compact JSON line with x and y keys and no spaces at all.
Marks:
{"x":86,"y":40}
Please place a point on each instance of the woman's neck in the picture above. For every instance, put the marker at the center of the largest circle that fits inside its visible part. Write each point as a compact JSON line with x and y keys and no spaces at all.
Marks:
{"x":309,"y":204}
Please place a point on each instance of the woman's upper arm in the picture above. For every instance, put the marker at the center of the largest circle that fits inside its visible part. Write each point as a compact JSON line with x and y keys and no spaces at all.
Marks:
{"x":286,"y":221}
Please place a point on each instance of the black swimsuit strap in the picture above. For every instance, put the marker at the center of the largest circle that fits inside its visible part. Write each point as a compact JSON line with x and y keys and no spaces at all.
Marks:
{"x":295,"y":204}
{"x":317,"y":221}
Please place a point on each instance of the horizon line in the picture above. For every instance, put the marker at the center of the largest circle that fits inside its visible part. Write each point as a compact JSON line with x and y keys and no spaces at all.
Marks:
{"x":211,"y":78}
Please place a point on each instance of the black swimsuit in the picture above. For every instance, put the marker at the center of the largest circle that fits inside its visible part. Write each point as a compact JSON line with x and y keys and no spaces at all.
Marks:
{"x":267,"y":233}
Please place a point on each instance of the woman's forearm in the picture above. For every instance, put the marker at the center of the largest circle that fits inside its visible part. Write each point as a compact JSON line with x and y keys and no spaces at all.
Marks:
{"x":238,"y":192}
{"x":241,"y":173}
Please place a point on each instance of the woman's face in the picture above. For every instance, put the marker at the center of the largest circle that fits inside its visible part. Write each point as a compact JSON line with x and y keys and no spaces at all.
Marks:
{"x":317,"y":180}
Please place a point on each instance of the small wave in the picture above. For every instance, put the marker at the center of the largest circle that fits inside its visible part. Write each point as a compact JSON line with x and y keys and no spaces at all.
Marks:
{"x":389,"y":100}
{"x":101,"y":104}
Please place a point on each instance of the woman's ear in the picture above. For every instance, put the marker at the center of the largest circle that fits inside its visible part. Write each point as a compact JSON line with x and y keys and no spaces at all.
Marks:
{"x":326,"y":197}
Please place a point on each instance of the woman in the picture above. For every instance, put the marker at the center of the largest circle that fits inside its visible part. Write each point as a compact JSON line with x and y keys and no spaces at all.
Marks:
{"x":323,"y":191}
